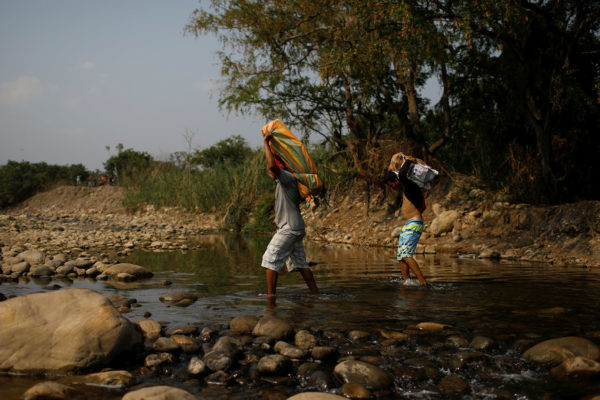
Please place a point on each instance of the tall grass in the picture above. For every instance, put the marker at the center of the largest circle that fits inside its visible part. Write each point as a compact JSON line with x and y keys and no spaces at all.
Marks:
{"x":231,"y":190}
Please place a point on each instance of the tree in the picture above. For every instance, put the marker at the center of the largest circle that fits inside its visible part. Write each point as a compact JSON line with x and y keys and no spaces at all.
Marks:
{"x":230,"y":151}
{"x":127,"y":163}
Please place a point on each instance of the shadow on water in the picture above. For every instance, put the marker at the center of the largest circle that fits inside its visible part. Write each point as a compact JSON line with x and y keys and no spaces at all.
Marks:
{"x":361,"y":288}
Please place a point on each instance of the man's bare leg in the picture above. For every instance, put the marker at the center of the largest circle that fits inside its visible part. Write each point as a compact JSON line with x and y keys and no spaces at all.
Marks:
{"x":404,"y":270}
{"x":309,"y":279}
{"x":414,"y":267}
{"x":271,"y":282}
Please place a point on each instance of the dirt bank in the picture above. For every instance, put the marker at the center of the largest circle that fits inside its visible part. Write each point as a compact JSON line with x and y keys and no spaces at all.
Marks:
{"x":461,"y":219}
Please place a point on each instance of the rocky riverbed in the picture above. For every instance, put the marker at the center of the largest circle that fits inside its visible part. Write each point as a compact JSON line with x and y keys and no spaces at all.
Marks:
{"x":77,"y":233}
{"x":266,"y":357}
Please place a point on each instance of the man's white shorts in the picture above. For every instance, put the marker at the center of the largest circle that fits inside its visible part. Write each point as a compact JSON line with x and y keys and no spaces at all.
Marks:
{"x":285,"y":247}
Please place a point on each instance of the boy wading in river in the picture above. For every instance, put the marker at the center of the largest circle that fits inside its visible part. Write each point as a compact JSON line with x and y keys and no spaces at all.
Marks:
{"x":286,"y":245}
{"x":413,"y":205}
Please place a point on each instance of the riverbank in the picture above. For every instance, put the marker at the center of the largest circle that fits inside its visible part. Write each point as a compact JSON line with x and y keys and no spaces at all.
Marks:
{"x":461,"y":220}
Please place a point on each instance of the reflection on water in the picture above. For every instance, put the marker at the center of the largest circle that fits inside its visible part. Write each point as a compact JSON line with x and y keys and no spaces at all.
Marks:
{"x":362,"y":288}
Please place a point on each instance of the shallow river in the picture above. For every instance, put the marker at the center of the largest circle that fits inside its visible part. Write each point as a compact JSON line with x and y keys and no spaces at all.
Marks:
{"x":361,"y":288}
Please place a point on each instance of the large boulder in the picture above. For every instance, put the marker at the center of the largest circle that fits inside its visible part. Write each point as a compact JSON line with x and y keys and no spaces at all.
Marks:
{"x":159,"y":393}
{"x":443,"y":222}
{"x":555,"y":351}
{"x":65,"y":330}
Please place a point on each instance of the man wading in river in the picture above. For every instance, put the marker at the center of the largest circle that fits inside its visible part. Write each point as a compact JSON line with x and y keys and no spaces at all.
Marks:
{"x":286,"y":245}
{"x":413,"y":204}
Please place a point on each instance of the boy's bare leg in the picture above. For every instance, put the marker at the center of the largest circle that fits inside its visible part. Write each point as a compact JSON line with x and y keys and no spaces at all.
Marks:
{"x":404,"y":270}
{"x":309,"y":279}
{"x":271,"y":282}
{"x":414,"y":267}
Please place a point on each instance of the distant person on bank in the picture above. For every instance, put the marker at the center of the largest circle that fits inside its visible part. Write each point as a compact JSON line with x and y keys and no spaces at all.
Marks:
{"x":286,"y":246}
{"x":413,"y":205}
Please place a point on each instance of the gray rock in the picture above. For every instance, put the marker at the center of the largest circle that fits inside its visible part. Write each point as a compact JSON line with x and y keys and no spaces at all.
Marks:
{"x":287,"y":350}
{"x":20,"y":268}
{"x":150,"y":328}
{"x":62,"y":323}
{"x":555,"y":351}
{"x":481,"y":343}
{"x":305,"y":340}
{"x":323,"y":352}
{"x":354,"y":390}
{"x":41,"y":270}
{"x":274,"y":364}
{"x":244,"y":324}
{"x":443,"y":222}
{"x":179,"y":299}
{"x":154,"y":360}
{"x":362,"y":373}
{"x":165,"y":345}
{"x":137,"y":271}
{"x":117,"y":378}
{"x":33,"y":256}
{"x":576,"y":368}
{"x":196,"y":366}
{"x":272,"y":327}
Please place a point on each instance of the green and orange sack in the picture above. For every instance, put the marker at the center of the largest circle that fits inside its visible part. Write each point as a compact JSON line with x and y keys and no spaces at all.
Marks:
{"x":292,"y":153}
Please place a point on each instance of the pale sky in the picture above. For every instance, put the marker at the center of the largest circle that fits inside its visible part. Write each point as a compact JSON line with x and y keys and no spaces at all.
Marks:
{"x":79,"y":75}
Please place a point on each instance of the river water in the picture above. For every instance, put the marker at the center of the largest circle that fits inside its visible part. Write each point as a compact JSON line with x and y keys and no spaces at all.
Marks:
{"x":361,"y":288}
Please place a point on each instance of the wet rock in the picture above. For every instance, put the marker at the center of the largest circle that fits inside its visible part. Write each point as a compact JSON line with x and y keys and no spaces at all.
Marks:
{"x":196,"y":366}
{"x":272,"y":327}
{"x":576,"y":368}
{"x":62,"y":323}
{"x":179,"y":299}
{"x":181,"y":330}
{"x":110,"y":378}
{"x":323,"y":352}
{"x":399,"y":336}
{"x":159,"y":393}
{"x":165,"y":344}
{"x":307,"y":368}
{"x":41,"y":270}
{"x":137,"y":271}
{"x":219,"y":378}
{"x":554,"y":351}
{"x":287,"y":350}
{"x":316,"y":396}
{"x":150,"y":328}
{"x":244,"y":324}
{"x":49,"y":390}
{"x":320,"y":379}
{"x":363,"y":373}
{"x":187,"y":344}
{"x":357,"y":335}
{"x":355,"y":391}
{"x":305,"y":340}
{"x":457,"y":341}
{"x":274,"y":364}
{"x":432,"y":326}
{"x":222,"y":355}
{"x":452,"y":385}
{"x":481,"y":343}
{"x":154,"y":360}
{"x":20,"y":268}
{"x":118,"y":300}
